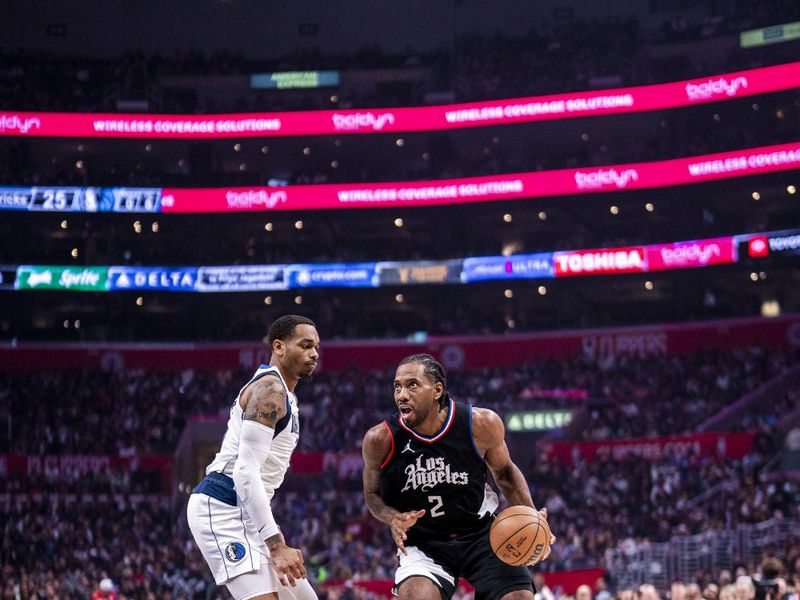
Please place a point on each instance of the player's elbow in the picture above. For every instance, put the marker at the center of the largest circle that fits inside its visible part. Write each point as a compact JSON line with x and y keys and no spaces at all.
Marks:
{"x":505,"y":476}
{"x":243,"y":477}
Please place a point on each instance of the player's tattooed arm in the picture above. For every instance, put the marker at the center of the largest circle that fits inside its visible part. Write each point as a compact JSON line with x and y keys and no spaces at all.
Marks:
{"x":287,"y":561}
{"x":275,"y":541}
{"x":264,"y":401}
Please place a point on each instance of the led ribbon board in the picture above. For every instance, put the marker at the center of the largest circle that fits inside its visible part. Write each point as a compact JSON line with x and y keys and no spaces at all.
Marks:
{"x":616,"y":101}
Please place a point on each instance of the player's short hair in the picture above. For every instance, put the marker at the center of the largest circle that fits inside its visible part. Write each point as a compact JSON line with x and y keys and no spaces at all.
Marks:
{"x":282,"y":328}
{"x":433,"y":369}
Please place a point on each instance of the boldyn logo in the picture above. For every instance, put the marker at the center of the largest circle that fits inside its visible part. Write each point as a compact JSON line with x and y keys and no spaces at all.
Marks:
{"x":601,"y":178}
{"x":715,"y":87}
{"x":14,"y":124}
{"x":251,"y":198}
{"x":690,"y":254}
{"x":359,"y":120}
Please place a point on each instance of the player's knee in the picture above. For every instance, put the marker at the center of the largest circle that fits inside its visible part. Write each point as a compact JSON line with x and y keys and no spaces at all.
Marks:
{"x":418,"y":588}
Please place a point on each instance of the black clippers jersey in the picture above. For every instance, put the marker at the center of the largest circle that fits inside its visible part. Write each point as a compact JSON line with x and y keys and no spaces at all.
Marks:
{"x":442,"y":474}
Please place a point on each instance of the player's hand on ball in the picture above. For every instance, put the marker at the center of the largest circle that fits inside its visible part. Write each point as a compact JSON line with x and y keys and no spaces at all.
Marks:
{"x":543,"y":514}
{"x":400,"y":523}
{"x":289,"y":564}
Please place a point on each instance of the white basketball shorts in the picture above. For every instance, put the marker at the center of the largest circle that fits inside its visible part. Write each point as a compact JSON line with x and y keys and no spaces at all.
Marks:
{"x":237,"y":557}
{"x":228,"y":543}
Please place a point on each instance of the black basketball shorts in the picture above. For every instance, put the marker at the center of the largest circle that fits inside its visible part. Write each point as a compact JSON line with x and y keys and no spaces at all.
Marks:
{"x":469,"y":556}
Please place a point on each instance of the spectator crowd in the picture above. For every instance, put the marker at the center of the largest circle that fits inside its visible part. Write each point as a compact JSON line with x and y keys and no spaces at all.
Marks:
{"x":143,"y":412}
{"x":62,"y":535}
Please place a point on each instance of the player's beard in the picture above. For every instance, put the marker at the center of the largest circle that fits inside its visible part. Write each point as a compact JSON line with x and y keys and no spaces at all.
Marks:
{"x":415,"y":417}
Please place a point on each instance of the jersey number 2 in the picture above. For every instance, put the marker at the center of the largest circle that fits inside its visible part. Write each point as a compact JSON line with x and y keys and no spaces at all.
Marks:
{"x":437,"y":510}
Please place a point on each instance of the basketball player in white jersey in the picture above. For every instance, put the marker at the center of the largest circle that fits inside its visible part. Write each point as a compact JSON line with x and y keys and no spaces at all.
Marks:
{"x":229,"y":511}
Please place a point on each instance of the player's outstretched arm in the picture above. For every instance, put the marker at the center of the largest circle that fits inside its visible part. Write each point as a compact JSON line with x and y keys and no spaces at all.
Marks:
{"x":375,"y":449}
{"x":490,"y":437}
{"x":264,"y":404}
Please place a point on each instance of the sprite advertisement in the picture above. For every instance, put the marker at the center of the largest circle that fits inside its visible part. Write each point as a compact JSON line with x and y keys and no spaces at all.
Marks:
{"x":79,"y":279}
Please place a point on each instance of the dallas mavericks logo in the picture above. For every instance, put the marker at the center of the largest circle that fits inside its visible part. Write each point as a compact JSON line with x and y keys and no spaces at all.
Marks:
{"x":234,"y":552}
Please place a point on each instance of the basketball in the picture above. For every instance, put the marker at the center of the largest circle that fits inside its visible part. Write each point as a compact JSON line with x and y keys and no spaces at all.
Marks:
{"x":519,"y":535}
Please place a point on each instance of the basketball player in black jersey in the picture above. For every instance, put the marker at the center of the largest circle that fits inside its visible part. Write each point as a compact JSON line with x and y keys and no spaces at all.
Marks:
{"x":425,"y":476}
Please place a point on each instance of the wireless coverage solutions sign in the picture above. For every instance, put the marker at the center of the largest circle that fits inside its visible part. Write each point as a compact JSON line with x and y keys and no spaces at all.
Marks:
{"x":429,"y":118}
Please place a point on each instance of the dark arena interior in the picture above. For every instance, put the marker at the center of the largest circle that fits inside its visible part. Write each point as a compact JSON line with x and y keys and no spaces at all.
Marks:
{"x":587,"y":212}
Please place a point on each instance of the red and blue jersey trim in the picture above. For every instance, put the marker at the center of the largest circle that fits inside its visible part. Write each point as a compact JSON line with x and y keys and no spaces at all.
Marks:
{"x":391,"y":452}
{"x":451,"y":416}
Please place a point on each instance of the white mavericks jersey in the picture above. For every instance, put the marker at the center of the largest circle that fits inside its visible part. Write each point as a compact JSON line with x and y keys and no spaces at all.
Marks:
{"x":287,"y":433}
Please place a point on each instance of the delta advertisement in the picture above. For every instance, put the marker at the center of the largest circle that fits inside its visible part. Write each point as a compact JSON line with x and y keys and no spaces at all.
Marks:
{"x":428,"y":118}
{"x":168,"y":279}
{"x":537,"y":420}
